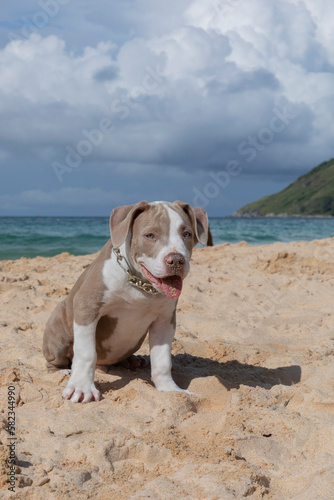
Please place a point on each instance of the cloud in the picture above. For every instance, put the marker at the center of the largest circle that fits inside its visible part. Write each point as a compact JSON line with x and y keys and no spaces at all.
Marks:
{"x":70,"y":197}
{"x":122,"y":185}
{"x":182,"y":84}
{"x":105,"y":74}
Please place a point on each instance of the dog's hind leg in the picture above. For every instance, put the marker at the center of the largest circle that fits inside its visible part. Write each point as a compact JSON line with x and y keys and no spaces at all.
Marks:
{"x":58,"y":357}
{"x":133,"y":362}
{"x":57,"y":345}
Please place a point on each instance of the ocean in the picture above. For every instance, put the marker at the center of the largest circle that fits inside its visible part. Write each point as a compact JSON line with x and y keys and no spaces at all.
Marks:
{"x":49,"y":236}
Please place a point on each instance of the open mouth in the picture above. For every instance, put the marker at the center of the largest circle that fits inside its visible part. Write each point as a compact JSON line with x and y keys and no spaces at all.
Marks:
{"x":171,"y":286}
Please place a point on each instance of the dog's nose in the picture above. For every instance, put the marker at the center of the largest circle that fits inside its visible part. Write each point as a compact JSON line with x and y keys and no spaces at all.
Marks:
{"x":175,"y":260}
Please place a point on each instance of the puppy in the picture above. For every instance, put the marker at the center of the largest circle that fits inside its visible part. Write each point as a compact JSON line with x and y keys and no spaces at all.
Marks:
{"x":129,"y":290}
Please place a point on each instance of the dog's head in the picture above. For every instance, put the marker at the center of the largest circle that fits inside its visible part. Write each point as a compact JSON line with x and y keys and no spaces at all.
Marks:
{"x":159,"y":239}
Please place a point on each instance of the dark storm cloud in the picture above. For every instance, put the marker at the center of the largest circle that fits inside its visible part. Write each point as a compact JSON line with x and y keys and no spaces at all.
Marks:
{"x":175,"y":90}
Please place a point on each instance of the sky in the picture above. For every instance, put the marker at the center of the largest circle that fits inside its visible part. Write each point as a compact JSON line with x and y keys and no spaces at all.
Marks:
{"x":213,"y":102}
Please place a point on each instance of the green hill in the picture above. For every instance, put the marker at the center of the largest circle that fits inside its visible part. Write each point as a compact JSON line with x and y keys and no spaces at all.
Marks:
{"x":310,"y":194}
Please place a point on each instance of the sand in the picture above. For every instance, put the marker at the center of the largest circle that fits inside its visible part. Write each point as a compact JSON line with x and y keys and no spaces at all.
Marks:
{"x":254,"y":344}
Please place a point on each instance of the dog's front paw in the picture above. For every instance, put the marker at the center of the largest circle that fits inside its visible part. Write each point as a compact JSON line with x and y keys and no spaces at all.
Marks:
{"x":168,"y":385}
{"x":174,"y":388}
{"x":81,"y":392}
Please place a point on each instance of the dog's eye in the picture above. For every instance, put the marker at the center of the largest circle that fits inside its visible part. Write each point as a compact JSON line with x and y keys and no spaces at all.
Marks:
{"x":149,"y":236}
{"x":187,"y":234}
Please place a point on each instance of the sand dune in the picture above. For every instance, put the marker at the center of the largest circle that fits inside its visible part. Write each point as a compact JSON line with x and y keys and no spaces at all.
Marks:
{"x":254,"y":344}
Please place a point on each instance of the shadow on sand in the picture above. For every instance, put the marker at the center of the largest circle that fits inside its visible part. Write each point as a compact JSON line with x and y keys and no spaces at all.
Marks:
{"x":230,"y":374}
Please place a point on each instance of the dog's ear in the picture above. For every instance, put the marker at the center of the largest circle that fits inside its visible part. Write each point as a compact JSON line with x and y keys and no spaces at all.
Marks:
{"x":199,"y":220}
{"x":210,"y":239}
{"x":121,"y":220}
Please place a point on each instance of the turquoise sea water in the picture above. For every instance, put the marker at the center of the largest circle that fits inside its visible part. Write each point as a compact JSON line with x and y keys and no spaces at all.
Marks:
{"x":48,"y":236}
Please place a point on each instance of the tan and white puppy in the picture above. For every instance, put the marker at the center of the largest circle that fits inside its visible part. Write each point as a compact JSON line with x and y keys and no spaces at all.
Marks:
{"x":105,"y":319}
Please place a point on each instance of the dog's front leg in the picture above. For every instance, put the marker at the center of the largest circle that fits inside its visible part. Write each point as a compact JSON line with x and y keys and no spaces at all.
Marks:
{"x":80,"y":387}
{"x":161,"y":334}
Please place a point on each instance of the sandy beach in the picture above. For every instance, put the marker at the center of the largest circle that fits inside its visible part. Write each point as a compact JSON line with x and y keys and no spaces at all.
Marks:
{"x":254,"y":344}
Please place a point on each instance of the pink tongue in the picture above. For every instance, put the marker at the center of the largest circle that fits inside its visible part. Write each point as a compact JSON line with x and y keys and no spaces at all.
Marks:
{"x":171,"y":286}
